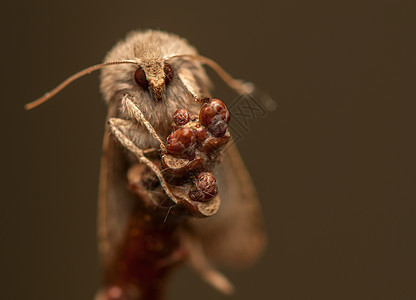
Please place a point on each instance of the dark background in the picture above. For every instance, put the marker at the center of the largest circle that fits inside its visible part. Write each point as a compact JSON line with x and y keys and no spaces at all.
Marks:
{"x":333,"y":164}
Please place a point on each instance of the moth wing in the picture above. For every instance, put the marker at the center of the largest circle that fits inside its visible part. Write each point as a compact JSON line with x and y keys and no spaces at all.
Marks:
{"x":115,"y":202}
{"x":235,"y":236}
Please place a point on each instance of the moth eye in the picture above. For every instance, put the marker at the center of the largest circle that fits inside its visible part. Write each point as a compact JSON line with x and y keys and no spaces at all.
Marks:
{"x":168,"y":73}
{"x":140,"y":77}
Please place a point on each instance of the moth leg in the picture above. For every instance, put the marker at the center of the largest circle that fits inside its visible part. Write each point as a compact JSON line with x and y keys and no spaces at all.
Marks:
{"x":189,"y":82}
{"x":199,"y":262}
{"x":134,"y":111}
{"x":150,"y":150}
{"x":116,"y":127}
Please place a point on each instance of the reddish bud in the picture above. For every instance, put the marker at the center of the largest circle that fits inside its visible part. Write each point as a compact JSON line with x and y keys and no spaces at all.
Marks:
{"x":215,"y":116}
{"x":213,"y":144}
{"x":181,"y":117}
{"x":200,"y":133}
{"x":205,"y":187}
{"x":181,"y":143}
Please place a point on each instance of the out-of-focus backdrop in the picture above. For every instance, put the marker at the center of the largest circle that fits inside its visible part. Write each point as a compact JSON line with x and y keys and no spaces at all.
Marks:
{"x":333,"y":163}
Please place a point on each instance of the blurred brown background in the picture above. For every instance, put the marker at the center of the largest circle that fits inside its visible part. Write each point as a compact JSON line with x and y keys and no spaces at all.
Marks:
{"x":333,"y":164}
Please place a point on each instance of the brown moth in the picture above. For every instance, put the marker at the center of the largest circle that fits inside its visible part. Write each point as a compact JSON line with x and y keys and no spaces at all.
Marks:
{"x":150,"y":212}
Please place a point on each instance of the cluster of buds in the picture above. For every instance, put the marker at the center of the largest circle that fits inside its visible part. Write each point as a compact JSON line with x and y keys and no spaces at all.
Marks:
{"x":193,"y":148}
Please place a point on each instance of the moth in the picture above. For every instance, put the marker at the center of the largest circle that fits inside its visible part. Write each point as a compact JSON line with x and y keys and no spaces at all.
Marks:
{"x":145,"y":231}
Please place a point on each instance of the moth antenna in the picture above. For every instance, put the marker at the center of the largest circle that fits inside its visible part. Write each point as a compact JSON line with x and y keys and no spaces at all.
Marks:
{"x":74,"y":77}
{"x":239,"y":86}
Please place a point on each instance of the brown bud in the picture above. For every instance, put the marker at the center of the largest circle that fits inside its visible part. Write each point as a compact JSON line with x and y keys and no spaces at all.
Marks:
{"x":181,"y":143}
{"x":205,"y":187}
{"x":213,"y":144}
{"x":215,"y":116}
{"x":179,"y":167}
{"x":200,"y":133}
{"x":181,"y":117}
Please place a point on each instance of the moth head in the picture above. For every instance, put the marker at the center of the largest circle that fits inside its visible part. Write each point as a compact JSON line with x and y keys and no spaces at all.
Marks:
{"x":148,"y":66}
{"x":154,"y":77}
